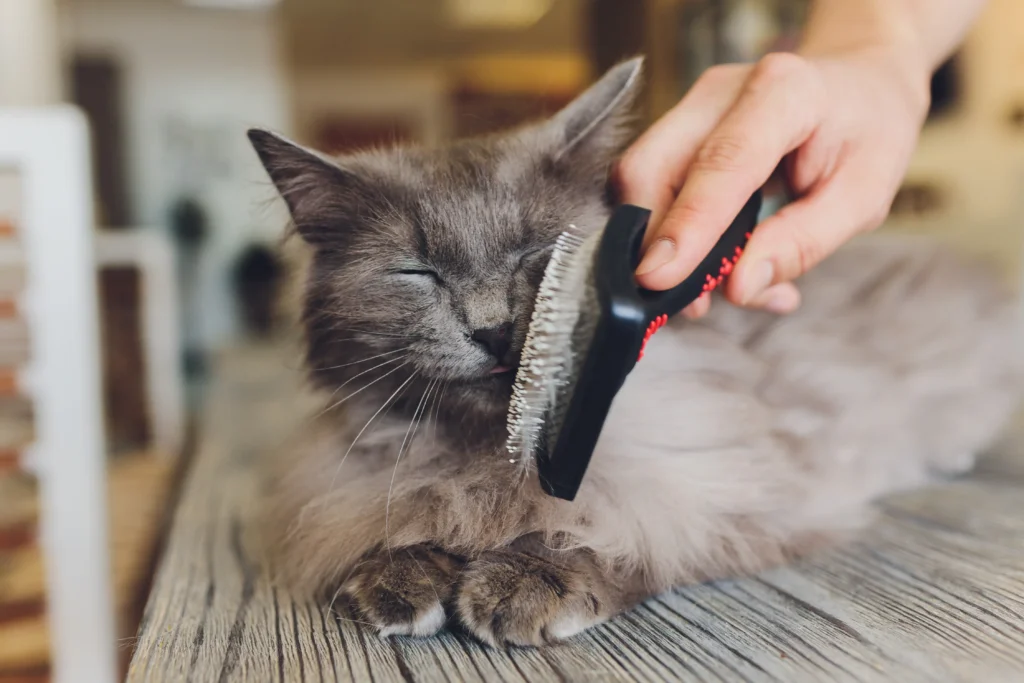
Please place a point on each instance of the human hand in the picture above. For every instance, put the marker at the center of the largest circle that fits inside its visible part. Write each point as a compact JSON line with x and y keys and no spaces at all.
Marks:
{"x":842,"y":125}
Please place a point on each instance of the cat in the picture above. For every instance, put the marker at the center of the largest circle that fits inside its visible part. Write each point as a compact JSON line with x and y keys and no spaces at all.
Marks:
{"x":740,"y":441}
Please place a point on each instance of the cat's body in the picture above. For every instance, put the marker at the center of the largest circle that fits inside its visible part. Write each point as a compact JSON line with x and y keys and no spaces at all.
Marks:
{"x":738,"y":441}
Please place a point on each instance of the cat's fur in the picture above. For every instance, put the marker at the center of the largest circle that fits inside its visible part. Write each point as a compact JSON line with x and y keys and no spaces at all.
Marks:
{"x":739,"y":441}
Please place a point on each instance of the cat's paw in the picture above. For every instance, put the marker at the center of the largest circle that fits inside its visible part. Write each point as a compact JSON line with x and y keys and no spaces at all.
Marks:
{"x":404,"y":591}
{"x":513,"y":598}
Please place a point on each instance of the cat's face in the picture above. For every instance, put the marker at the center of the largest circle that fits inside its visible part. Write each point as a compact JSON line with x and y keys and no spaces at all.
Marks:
{"x":426,"y":262}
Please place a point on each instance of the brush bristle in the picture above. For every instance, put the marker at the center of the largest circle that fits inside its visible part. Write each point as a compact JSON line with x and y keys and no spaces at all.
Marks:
{"x":550,"y":353}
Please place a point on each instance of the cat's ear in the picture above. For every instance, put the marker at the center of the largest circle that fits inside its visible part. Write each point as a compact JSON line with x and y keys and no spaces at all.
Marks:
{"x":322,"y":197}
{"x":594,"y":128}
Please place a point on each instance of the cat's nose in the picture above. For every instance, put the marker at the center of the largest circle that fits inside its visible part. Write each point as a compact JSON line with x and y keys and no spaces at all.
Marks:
{"x":497,"y":340}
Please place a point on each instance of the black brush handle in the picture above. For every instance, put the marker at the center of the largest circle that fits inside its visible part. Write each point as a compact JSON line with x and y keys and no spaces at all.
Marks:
{"x":712,"y":270}
{"x":626,"y":318}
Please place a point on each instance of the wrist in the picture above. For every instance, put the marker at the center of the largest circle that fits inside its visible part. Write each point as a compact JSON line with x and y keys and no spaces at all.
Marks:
{"x":878,"y":33}
{"x":840,"y":25}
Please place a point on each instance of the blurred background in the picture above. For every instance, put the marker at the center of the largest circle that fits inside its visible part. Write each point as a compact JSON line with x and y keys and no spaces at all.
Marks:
{"x":185,"y":223}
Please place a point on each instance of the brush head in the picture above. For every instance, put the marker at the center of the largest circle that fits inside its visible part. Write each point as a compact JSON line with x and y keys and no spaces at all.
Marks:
{"x":590,"y":325}
{"x":581,"y":344}
{"x":558,"y":338}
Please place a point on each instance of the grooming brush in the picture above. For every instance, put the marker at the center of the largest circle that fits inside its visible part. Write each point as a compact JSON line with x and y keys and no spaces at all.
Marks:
{"x":590,"y":326}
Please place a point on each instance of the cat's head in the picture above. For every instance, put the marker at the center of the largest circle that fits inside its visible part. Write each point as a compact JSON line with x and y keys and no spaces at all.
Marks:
{"x":426,"y":261}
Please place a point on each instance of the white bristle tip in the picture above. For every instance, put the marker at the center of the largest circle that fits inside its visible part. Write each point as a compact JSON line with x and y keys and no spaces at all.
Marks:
{"x":547,"y":352}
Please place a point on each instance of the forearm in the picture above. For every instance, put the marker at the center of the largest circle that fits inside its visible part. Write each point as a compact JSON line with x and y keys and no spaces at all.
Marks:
{"x":927,"y":31}
{"x":943,"y":24}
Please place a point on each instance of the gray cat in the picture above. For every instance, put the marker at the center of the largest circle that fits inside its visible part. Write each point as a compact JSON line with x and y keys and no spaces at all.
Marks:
{"x":739,"y":442}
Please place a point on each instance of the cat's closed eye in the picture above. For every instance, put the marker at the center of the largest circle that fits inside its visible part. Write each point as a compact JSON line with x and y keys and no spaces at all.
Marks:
{"x":421,"y":273}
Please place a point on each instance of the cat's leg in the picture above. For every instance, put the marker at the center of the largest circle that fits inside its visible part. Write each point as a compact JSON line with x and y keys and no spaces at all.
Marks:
{"x":404,"y":591}
{"x":527,"y":594}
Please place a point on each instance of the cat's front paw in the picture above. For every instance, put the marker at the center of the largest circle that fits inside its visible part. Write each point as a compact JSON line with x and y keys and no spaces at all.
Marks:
{"x":514,"y":598}
{"x":404,"y":591}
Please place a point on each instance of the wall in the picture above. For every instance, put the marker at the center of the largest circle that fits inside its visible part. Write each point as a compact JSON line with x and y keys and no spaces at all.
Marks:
{"x":326,"y":34}
{"x":194,"y":81}
{"x":421,"y":95}
{"x":416,"y":96}
{"x":974,"y":154}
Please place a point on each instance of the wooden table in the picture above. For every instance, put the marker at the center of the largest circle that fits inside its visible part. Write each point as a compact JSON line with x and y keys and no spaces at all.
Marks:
{"x":934,"y":591}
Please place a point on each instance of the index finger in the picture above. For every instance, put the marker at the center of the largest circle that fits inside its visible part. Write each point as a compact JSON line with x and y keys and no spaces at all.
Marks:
{"x":652,"y":171}
{"x":779,"y":109}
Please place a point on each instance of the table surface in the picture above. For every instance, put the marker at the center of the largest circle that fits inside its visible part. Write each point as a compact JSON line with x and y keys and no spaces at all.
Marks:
{"x":934,"y":591}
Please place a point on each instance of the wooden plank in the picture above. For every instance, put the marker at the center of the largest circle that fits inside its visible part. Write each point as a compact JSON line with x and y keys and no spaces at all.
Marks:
{"x":8,"y":382}
{"x":138,"y":488}
{"x":22,"y":579}
{"x":19,"y":510}
{"x":934,"y":591}
{"x":10,"y":462}
{"x":31,"y":674}
{"x":17,"y":421}
{"x":24,"y":643}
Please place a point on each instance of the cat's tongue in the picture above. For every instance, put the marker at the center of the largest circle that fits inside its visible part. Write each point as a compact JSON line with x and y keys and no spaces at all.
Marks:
{"x":498,"y":369}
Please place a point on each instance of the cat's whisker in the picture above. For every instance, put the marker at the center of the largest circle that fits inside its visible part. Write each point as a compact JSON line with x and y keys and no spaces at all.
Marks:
{"x":341,"y":327}
{"x":334,"y":598}
{"x":359,"y":339}
{"x":437,"y":407}
{"x":373,"y":333}
{"x":361,"y":389}
{"x":364,"y":360}
{"x":373,"y":417}
{"x":370,"y":333}
{"x":432,"y":403}
{"x":341,"y":587}
{"x":411,"y":339}
{"x":368,"y":370}
{"x":413,"y":425}
{"x":350,"y":620}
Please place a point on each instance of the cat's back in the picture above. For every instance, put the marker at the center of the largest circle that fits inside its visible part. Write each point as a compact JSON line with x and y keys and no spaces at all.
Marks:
{"x":898,"y":297}
{"x":919,"y":277}
{"x":901,"y":345}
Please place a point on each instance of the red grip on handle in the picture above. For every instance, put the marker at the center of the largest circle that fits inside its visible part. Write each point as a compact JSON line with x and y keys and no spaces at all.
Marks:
{"x":709,"y":285}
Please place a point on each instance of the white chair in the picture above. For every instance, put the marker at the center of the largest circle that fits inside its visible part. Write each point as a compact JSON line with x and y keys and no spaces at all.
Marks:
{"x":48,"y":148}
{"x":151,"y":253}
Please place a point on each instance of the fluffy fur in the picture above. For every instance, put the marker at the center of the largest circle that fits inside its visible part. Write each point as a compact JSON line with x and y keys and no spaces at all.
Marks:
{"x":739,"y":441}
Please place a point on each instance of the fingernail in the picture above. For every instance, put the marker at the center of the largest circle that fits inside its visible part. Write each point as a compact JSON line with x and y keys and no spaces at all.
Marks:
{"x":761,"y":276}
{"x":661,"y":252}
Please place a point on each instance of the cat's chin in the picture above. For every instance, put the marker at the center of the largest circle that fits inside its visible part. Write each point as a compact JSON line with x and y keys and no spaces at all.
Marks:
{"x":487,"y":398}
{"x":492,"y":394}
